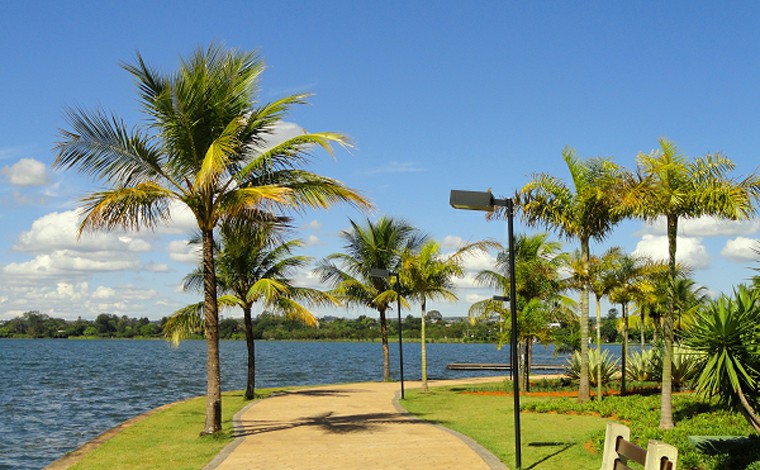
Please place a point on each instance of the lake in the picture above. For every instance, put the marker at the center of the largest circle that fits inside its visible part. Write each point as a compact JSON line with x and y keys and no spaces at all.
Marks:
{"x":55,"y":395}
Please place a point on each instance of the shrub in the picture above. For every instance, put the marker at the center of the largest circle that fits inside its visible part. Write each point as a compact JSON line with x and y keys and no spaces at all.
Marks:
{"x":686,"y":366}
{"x":604,"y":360}
{"x":639,"y":366}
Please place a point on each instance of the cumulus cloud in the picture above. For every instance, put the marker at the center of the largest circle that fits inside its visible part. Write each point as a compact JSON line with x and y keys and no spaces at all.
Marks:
{"x":690,"y":251}
{"x":184,"y":252}
{"x":451,"y":242}
{"x":705,"y":227}
{"x":26,"y":172}
{"x":59,"y":231}
{"x":313,"y":225}
{"x":312,"y":240}
{"x":741,"y":249}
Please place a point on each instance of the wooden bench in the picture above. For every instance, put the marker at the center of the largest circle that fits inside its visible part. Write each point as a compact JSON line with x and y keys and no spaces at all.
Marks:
{"x":619,"y":451}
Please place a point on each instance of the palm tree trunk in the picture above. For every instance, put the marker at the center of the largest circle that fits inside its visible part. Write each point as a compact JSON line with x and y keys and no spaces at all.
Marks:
{"x":386,"y":351}
{"x":641,"y":330}
{"x":624,"y":352}
{"x":583,"y":388}
{"x":423,"y":351}
{"x":250,"y":389}
{"x":528,"y":362}
{"x":666,"y":405}
{"x":211,"y":316}
{"x":599,"y":347}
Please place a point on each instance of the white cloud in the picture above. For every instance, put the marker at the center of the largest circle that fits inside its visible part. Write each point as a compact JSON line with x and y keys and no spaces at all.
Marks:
{"x":690,"y":251}
{"x":312,"y":240}
{"x":396,"y":167}
{"x":741,"y":249}
{"x":184,"y":252}
{"x":26,"y":172}
{"x":313,"y":225}
{"x":705,"y":227}
{"x":452,"y":242}
{"x":103,"y":293}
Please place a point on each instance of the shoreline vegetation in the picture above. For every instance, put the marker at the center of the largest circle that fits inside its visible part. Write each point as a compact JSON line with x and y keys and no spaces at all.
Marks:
{"x":266,"y":326}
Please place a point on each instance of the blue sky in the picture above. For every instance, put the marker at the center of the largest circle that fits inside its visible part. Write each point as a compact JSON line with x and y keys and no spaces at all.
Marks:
{"x":436,"y":96}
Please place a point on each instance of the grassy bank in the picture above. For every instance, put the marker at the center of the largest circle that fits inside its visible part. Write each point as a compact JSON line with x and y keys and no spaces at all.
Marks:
{"x":559,"y":433}
{"x":549,"y":441}
{"x":168,"y":439}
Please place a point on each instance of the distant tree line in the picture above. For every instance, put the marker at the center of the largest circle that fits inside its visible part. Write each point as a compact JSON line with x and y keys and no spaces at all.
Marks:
{"x":266,"y":326}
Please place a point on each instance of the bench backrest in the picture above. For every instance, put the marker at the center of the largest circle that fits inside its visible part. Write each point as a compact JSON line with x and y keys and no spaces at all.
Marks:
{"x":619,"y":450}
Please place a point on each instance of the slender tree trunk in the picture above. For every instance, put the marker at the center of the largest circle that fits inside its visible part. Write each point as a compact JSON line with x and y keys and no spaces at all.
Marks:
{"x":584,"y":388}
{"x":666,"y":405}
{"x":386,"y":351}
{"x":641,"y":330}
{"x":211,"y":317}
{"x":528,"y":362}
{"x":749,"y":414}
{"x":624,"y":352}
{"x":599,"y":347}
{"x":250,"y":389}
{"x":423,"y":352}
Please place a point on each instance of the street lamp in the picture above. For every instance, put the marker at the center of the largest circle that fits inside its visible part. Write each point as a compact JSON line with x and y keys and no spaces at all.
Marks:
{"x":484,"y":201}
{"x":384,"y":273}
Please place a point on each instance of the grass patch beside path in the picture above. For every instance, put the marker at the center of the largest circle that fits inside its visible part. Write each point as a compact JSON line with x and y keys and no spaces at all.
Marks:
{"x":549,"y":441}
{"x":168,"y":439}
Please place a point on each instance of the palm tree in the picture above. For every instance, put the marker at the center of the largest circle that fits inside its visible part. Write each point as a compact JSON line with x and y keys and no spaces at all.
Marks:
{"x":583,"y":211}
{"x":376,"y":245}
{"x":631,"y":283}
{"x":254,"y":265}
{"x":602,"y":281}
{"x":727,"y":333}
{"x":667,"y":184}
{"x":428,"y":275}
{"x":537,"y":265}
{"x":206,"y":146}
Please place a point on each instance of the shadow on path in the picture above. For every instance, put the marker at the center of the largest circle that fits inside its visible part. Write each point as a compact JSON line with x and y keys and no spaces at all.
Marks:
{"x":341,"y":424}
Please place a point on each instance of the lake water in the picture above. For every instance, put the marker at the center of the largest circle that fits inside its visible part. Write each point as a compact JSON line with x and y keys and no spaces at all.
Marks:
{"x":55,"y":395}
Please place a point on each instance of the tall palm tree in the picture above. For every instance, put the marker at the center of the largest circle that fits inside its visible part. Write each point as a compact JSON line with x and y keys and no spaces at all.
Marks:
{"x":204,"y":145}
{"x":581,"y":211}
{"x":631,"y":282}
{"x":255,"y":264}
{"x":537,"y":270}
{"x":375,"y":245}
{"x":602,"y":281}
{"x":668,"y":185}
{"x":427,"y":275}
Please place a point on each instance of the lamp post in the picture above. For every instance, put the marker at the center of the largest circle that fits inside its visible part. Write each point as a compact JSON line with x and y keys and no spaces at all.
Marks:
{"x":384,"y":273}
{"x":484,"y":201}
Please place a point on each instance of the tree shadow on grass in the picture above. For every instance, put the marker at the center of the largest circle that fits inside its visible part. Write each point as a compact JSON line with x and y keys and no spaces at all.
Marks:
{"x":561,"y":447}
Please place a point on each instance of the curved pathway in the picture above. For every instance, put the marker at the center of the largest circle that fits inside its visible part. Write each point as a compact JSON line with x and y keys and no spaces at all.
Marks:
{"x":350,"y":426}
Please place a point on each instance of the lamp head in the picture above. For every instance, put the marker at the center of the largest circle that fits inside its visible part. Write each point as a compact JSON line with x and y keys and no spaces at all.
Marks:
{"x":472,"y":200}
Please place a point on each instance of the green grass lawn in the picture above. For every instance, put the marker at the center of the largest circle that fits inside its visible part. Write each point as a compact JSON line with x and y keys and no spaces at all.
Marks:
{"x":549,"y":441}
{"x":168,"y":439}
{"x":560,"y":433}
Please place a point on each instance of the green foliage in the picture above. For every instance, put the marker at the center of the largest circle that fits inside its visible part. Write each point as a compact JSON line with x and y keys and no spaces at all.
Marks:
{"x":640,"y":367}
{"x":686,"y":366}
{"x":33,"y":324}
{"x":641,"y":414}
{"x":727,"y":333}
{"x":609,"y":366}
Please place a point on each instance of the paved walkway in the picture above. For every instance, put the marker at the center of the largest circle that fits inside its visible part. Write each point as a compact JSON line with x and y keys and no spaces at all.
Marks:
{"x":352,"y":426}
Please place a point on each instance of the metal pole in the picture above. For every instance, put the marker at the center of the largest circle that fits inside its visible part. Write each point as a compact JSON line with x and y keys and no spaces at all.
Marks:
{"x":400,"y":339}
{"x":513,"y":345}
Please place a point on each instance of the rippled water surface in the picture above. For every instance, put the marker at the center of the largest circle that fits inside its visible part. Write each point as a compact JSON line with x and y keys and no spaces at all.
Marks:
{"x":55,"y":395}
